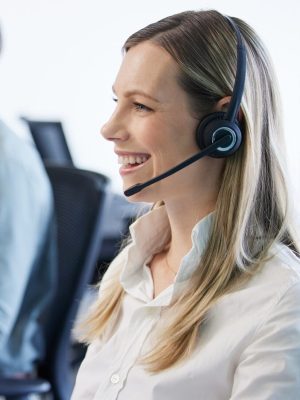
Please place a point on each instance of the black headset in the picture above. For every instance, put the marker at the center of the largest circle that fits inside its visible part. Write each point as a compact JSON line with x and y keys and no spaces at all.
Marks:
{"x":218,"y":124}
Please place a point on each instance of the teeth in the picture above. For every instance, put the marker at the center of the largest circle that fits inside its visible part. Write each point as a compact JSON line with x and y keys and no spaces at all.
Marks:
{"x":125,"y":160}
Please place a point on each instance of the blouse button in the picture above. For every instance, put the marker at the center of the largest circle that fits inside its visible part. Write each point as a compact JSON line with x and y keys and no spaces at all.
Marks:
{"x":115,"y":378}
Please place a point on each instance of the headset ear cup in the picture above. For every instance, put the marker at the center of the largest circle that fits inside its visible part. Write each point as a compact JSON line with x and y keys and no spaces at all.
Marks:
{"x":213,"y":127}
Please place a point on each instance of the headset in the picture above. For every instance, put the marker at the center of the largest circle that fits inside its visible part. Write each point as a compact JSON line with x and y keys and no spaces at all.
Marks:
{"x":216,"y":125}
{"x":218,"y":134}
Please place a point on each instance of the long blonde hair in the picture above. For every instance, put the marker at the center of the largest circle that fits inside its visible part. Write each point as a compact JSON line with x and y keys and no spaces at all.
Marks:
{"x":252,"y":207}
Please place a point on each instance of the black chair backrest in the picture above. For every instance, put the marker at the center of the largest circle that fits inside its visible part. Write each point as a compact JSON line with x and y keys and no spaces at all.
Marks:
{"x":81,"y":198}
{"x":50,"y":141}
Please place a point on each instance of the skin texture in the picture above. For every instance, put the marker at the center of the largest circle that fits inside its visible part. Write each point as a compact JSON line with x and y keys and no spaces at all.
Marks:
{"x":152,"y":117}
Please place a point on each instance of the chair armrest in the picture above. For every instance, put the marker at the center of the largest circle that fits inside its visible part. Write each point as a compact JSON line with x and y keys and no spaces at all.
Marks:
{"x":19,"y":387}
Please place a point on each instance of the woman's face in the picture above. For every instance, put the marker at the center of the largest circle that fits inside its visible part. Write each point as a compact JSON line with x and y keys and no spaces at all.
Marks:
{"x":152,"y":126}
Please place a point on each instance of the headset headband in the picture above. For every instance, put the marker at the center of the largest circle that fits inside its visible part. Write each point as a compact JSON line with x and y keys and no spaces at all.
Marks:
{"x":239,"y":83}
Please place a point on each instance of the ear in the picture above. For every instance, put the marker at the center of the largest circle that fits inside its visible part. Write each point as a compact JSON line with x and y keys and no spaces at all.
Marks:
{"x":222,"y":105}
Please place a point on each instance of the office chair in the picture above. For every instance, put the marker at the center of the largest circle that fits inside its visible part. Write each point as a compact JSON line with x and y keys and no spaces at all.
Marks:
{"x":50,"y":141}
{"x":81,"y":199}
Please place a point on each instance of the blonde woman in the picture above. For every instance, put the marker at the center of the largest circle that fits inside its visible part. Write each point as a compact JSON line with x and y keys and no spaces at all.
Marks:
{"x":204,"y":301}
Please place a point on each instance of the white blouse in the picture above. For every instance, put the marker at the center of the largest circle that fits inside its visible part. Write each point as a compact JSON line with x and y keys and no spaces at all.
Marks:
{"x":248,"y":348}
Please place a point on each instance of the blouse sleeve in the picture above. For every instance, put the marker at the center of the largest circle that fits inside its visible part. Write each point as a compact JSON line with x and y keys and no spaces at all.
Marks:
{"x":269,"y":368}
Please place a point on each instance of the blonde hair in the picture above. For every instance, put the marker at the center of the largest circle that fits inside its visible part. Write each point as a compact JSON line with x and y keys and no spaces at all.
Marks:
{"x":252,"y":207}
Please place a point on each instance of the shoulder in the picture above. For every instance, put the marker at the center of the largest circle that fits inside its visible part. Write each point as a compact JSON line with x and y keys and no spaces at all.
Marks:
{"x":281,"y":269}
{"x":273,"y":291}
{"x":19,"y":156}
{"x":277,"y":280}
{"x":22,"y":167}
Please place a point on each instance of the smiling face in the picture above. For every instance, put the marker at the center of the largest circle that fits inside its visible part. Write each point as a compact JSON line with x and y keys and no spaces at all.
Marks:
{"x":152,"y":126}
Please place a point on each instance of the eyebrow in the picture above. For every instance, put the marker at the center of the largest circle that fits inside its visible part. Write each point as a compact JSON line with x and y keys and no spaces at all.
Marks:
{"x":139,"y":92}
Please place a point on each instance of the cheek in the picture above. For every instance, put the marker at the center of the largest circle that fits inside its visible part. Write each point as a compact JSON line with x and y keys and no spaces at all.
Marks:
{"x":169,"y":141}
{"x":151,"y":134}
{"x":158,"y":141}
{"x":184,"y":134}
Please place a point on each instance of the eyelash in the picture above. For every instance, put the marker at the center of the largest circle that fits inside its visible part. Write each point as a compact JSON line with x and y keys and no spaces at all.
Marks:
{"x":141,"y":107}
{"x":137,"y":106}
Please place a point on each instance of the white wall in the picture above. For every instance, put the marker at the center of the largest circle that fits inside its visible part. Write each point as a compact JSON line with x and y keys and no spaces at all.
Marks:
{"x":60,"y":58}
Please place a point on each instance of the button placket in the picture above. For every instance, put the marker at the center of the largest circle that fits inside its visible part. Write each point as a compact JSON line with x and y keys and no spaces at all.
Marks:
{"x":138,"y":340}
{"x":142,"y":328}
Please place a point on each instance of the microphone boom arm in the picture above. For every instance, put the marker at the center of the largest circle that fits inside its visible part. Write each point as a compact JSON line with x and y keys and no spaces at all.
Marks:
{"x":208,"y":150}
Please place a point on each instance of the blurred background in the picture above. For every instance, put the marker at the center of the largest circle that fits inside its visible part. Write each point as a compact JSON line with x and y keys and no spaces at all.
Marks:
{"x":60,"y":58}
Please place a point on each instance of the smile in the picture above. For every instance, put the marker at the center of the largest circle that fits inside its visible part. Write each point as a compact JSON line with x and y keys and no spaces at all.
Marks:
{"x":132,"y":162}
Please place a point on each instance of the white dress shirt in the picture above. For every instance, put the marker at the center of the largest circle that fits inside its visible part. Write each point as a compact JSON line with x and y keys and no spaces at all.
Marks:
{"x":248,"y":348}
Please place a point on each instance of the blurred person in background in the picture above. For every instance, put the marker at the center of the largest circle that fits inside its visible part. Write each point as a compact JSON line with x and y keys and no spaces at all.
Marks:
{"x":27,"y":253}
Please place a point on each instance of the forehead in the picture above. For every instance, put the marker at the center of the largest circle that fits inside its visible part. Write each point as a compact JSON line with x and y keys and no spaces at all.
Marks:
{"x":150,"y":68}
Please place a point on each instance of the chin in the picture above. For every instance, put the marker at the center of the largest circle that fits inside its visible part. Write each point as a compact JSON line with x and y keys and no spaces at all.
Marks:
{"x":147,"y":195}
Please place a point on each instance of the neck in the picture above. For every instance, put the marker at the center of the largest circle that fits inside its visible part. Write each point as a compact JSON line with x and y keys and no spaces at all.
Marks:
{"x":183,"y":216}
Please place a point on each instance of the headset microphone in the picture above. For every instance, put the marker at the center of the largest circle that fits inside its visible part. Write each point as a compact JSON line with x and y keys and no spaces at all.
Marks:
{"x":225,"y":140}
{"x":218,"y":134}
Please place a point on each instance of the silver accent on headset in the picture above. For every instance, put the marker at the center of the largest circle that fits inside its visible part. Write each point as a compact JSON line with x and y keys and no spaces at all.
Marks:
{"x":233,"y":135}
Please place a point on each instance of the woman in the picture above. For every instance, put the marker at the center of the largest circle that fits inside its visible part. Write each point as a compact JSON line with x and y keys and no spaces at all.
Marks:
{"x":204,"y":303}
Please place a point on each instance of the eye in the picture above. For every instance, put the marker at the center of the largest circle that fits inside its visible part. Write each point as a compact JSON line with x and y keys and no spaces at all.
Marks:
{"x":115,"y":99}
{"x":141,"y":107}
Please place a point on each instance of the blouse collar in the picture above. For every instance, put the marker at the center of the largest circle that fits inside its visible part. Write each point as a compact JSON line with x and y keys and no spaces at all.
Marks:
{"x":150,"y":234}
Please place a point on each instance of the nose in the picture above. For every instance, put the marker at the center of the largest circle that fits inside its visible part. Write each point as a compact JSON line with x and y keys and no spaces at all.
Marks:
{"x":115,"y":128}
